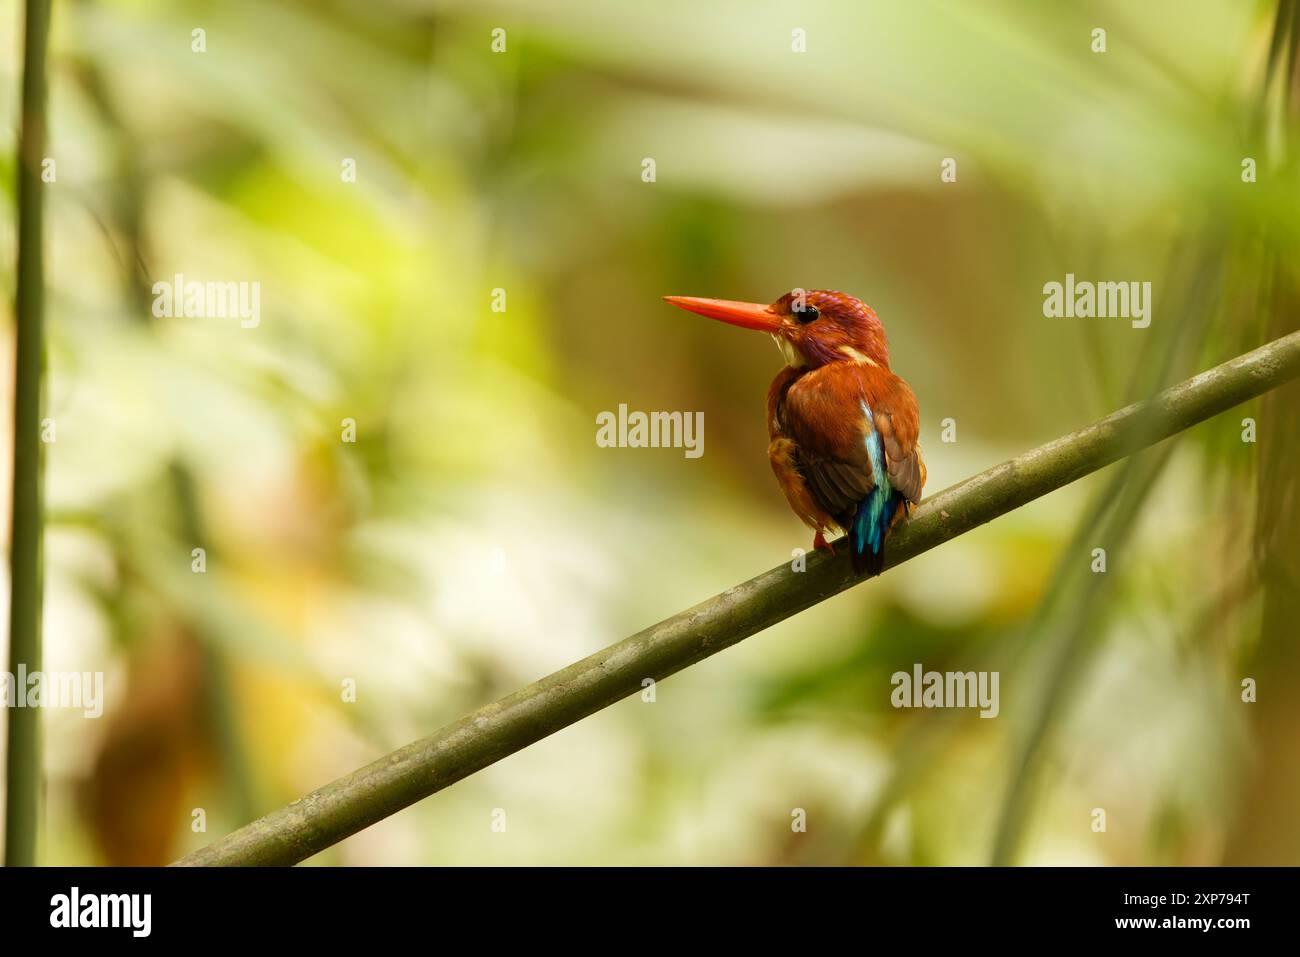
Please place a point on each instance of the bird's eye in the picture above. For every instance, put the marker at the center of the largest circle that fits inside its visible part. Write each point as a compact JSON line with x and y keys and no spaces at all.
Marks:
{"x":805,"y":315}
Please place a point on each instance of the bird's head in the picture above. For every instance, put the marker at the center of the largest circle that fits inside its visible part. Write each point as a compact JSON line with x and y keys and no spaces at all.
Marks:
{"x":812,"y":328}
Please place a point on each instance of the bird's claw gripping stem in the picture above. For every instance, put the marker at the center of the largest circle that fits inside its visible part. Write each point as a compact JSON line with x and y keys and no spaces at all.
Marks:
{"x":820,"y":543}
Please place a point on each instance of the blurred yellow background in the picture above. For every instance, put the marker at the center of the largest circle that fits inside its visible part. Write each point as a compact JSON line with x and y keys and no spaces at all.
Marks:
{"x":475,"y":537}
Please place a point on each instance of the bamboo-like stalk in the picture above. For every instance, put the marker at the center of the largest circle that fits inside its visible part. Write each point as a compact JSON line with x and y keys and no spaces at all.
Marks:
{"x":23,"y":757}
{"x":397,"y":780}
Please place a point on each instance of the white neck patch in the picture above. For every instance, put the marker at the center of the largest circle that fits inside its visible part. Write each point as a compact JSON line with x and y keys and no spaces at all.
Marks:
{"x":793,"y":357}
{"x":857,"y":356}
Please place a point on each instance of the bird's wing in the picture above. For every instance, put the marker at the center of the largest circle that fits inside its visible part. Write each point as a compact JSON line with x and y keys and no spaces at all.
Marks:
{"x":855,"y":425}
{"x":897,"y":420}
{"x":835,"y":463}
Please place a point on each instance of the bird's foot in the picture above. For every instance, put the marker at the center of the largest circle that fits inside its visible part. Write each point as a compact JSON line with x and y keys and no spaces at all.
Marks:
{"x":819,"y":542}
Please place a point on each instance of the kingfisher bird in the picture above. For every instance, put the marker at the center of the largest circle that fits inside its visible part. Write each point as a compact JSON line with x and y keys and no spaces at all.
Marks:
{"x":842,"y":427}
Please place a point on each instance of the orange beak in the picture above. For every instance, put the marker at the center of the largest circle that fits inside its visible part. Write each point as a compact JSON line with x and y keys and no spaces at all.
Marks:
{"x":747,"y":315}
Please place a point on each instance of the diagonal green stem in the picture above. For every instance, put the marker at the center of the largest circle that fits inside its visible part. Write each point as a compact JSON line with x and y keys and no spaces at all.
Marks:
{"x":23,"y":757}
{"x":397,"y":780}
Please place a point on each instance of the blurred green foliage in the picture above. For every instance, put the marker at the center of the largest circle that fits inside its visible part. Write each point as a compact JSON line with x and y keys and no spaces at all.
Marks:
{"x":475,"y":537}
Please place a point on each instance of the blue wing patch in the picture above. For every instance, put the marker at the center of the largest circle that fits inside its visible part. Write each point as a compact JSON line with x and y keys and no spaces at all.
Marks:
{"x":876,"y":511}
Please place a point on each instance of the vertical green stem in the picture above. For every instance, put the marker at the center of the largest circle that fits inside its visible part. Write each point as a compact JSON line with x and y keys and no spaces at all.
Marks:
{"x":23,"y":755}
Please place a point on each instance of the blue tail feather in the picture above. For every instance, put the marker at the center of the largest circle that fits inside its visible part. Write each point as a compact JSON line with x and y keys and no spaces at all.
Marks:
{"x":870,"y":526}
{"x":876,"y":512}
